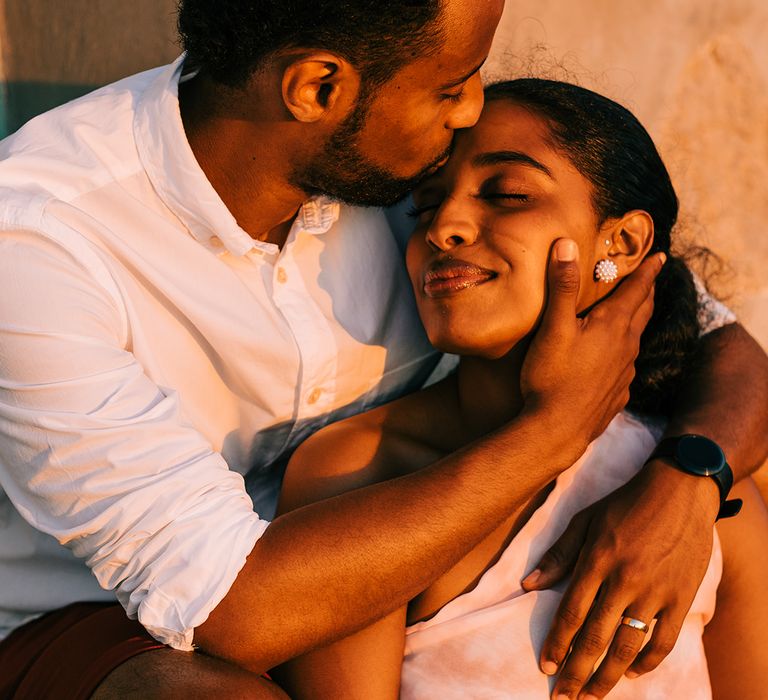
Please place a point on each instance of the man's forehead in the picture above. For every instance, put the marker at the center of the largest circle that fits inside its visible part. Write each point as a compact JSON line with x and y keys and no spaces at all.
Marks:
{"x":469,"y":25}
{"x":463,"y":17}
{"x":468,"y":29}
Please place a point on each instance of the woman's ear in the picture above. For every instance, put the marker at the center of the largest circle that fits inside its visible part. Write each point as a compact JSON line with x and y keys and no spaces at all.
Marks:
{"x":621,"y":246}
{"x":318,"y":85}
{"x":626,"y":241}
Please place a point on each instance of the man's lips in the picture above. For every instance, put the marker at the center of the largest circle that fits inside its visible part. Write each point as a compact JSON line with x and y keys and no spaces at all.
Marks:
{"x":436,"y":166}
{"x":448,"y":276}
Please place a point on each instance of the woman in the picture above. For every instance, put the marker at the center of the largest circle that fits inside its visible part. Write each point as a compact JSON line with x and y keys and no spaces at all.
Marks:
{"x":547,"y":160}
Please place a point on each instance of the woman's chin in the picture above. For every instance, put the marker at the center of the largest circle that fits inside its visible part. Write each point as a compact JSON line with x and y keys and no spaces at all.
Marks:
{"x":473,"y":347}
{"x":489,"y":338}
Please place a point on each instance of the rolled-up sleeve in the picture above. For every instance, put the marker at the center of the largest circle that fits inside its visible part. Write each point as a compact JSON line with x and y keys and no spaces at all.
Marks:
{"x":97,"y":455}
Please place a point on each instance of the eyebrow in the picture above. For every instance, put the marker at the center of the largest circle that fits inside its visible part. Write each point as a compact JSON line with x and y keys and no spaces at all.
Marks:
{"x":463,"y":78}
{"x":500,"y":157}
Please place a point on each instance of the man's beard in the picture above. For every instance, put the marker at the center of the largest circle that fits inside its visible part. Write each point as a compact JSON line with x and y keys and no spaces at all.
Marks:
{"x":340,"y":171}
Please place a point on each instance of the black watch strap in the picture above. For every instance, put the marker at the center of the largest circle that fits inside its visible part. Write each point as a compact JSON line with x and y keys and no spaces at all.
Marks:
{"x":700,"y":456}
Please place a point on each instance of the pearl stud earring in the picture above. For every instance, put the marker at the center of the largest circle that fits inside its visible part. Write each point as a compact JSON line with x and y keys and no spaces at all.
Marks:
{"x":606,"y":271}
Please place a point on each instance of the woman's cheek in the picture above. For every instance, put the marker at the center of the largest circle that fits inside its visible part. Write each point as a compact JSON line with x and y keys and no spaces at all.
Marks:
{"x":415,"y":254}
{"x":589,"y":290}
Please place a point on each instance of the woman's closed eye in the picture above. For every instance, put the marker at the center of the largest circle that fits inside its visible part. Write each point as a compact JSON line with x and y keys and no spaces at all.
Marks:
{"x":424,"y":211}
{"x":506,"y":196}
{"x":506,"y":191}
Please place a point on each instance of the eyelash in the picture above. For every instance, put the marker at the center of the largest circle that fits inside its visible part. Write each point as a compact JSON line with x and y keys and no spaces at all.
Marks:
{"x":517,"y":195}
{"x":415,"y":212}
{"x":453,"y":98}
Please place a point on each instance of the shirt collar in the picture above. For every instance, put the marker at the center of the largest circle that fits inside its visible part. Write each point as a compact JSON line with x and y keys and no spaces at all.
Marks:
{"x":176,"y":176}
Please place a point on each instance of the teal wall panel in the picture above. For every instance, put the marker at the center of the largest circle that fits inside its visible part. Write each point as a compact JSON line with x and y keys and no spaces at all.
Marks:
{"x":27,"y":99}
{"x":3,"y":112}
{"x":54,"y":50}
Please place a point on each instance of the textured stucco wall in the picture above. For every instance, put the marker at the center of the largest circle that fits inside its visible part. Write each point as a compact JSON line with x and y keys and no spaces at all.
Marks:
{"x":696,"y":73}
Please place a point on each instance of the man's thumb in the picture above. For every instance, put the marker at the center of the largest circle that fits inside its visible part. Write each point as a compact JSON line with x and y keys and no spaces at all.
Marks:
{"x":564,"y":280}
{"x":560,"y":558}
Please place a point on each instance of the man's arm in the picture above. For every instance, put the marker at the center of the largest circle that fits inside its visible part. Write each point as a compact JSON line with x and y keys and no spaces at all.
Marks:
{"x":326,"y":570}
{"x":99,"y":456}
{"x":726,"y":399}
{"x":655,"y":575}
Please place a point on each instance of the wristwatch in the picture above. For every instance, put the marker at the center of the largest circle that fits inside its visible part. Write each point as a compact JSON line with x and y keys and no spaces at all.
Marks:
{"x":698,"y":455}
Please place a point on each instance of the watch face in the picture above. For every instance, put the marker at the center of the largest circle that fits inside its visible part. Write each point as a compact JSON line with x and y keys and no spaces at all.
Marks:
{"x":700,"y":455}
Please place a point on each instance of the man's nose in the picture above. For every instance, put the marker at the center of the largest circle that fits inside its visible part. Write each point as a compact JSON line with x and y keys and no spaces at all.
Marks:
{"x":467,"y":112}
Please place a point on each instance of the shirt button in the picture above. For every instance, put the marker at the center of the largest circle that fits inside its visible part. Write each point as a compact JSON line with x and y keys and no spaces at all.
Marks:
{"x":314,"y":396}
{"x":282,"y":275}
{"x":216,"y":242}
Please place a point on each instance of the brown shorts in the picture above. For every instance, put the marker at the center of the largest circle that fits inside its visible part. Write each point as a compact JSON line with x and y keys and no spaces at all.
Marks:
{"x":67,"y":653}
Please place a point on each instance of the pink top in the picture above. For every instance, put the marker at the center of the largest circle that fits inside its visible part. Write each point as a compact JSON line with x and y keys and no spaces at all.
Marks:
{"x":485,"y":644}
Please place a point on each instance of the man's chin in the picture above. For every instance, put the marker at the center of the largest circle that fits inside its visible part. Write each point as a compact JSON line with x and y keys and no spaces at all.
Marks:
{"x":369,"y":193}
{"x":389,"y":192}
{"x":372,"y":186}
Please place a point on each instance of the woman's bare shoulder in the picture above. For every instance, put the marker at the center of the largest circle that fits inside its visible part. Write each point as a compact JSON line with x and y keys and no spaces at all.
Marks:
{"x":381,"y":444}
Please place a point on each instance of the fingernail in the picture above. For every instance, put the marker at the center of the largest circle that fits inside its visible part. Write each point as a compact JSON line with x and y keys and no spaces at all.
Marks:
{"x":663,"y":258}
{"x":531,"y":579}
{"x":566,"y":250}
{"x":631,"y":674}
{"x":562,"y":696}
{"x":590,"y":697}
{"x":549,"y":667}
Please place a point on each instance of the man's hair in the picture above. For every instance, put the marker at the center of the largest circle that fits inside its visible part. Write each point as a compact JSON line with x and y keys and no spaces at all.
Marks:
{"x":229,"y":39}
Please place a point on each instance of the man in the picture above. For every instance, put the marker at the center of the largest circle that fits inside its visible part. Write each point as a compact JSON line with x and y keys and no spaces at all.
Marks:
{"x":181,"y":303}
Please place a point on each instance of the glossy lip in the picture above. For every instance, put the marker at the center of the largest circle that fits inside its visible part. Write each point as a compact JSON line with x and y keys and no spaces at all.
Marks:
{"x":447,"y":276}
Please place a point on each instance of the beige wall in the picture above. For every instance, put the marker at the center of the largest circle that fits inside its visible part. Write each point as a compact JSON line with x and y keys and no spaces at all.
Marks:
{"x":696,"y":73}
{"x":85,"y":41}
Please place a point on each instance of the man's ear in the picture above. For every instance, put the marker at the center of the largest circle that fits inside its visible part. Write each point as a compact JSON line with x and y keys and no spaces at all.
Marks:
{"x":319,"y":84}
{"x":626,"y":241}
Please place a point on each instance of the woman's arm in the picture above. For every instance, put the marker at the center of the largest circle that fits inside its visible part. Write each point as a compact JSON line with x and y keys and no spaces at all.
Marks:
{"x":329,"y":569}
{"x":365,"y":665}
{"x":353,"y":454}
{"x":735,"y":639}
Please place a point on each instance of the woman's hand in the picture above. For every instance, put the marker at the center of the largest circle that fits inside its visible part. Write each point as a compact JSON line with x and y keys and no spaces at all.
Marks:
{"x":641,"y":551}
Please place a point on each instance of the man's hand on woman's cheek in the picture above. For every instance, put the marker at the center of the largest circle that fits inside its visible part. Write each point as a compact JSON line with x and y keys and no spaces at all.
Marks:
{"x":586,"y":362}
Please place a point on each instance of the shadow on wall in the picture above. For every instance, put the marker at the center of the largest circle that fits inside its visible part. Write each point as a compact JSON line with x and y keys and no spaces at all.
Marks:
{"x":54,"y":51}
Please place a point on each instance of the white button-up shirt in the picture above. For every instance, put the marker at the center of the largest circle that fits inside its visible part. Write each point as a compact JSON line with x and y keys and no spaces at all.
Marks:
{"x":152,"y":354}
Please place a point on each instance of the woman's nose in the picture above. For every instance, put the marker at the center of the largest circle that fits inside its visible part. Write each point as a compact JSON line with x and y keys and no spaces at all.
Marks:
{"x":448,"y":232}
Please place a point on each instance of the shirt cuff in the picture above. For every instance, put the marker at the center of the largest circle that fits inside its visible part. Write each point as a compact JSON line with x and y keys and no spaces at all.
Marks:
{"x":173,"y":599}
